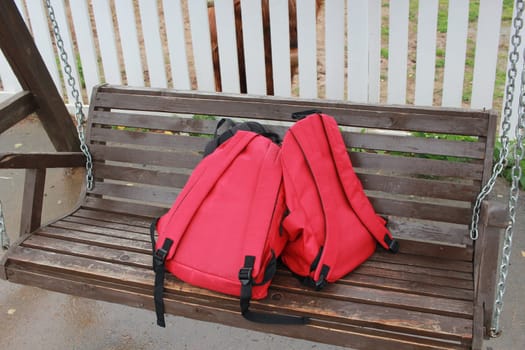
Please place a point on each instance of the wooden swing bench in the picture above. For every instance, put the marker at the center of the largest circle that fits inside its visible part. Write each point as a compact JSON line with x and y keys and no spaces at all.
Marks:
{"x":436,"y":293}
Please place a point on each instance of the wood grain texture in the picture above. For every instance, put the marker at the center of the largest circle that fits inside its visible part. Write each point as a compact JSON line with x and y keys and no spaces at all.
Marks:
{"x":145,"y":144}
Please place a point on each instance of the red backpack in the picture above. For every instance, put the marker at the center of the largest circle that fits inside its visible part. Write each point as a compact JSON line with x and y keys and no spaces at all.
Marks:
{"x":332,"y":225}
{"x":223,"y":231}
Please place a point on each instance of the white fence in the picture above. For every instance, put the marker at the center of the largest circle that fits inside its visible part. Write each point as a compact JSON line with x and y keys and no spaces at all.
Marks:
{"x":362,"y":50}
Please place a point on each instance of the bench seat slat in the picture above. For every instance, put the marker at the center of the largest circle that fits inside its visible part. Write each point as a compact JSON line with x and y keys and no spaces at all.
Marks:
{"x":150,"y":195}
{"x":329,"y":309}
{"x":320,"y":331}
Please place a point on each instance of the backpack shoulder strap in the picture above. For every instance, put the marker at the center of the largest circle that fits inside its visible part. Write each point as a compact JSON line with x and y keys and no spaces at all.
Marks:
{"x":353,"y":187}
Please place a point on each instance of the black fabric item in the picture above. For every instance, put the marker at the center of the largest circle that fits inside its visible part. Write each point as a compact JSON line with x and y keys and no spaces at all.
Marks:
{"x":230,"y":128}
{"x":159,"y":256}
{"x":303,"y":114}
{"x":245,"y":276}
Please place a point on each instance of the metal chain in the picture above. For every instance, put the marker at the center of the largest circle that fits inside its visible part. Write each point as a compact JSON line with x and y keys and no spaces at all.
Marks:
{"x":4,"y":238}
{"x":505,"y":125}
{"x":79,"y":113}
{"x":516,"y":173}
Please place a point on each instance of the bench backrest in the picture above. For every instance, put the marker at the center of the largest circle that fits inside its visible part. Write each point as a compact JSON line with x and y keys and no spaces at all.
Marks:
{"x":423,"y":167}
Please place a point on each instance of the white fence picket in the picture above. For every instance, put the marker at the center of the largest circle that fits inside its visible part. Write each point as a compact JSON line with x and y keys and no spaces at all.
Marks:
{"x":280,"y":41}
{"x":65,"y":33}
{"x":177,"y":44}
{"x":486,"y":57}
{"x":152,"y":44}
{"x":426,"y":52}
{"x":86,"y":45}
{"x":374,"y":50}
{"x":358,"y":50}
{"x":253,"y":42}
{"x":129,"y":42}
{"x":106,"y":38}
{"x":455,"y":53}
{"x":200,"y":36}
{"x":398,"y":51}
{"x":227,"y":46}
{"x":40,"y":30}
{"x":307,"y":49}
{"x":335,"y":49}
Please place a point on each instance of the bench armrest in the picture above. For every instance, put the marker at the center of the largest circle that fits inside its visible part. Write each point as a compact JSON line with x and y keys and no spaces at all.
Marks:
{"x":493,"y":221}
{"x":41,"y":160}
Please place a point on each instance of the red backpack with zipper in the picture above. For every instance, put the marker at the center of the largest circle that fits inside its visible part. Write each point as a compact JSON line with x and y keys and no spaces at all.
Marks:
{"x":223,"y":231}
{"x":332,"y":225}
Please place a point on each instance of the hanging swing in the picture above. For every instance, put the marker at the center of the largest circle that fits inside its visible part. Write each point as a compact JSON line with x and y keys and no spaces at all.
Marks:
{"x":435,"y":294}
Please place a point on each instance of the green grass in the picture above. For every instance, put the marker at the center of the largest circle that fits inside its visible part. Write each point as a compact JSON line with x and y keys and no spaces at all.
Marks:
{"x":384,"y":52}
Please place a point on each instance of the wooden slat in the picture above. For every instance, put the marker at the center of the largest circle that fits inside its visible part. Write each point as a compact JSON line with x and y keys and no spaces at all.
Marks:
{"x":154,"y":139}
{"x":253,"y":43}
{"x":426,"y":52}
{"x":144,"y":230}
{"x":486,"y":56}
{"x":411,"y":228}
{"x":334,"y":47}
{"x":113,"y":206}
{"x":139,"y":156}
{"x":455,"y":52}
{"x":106,"y":38}
{"x":200,"y":35}
{"x":173,"y":123}
{"x":125,"y":14}
{"x":415,"y":145}
{"x":318,"y":331}
{"x":41,"y":160}
{"x":150,"y":195}
{"x":417,"y":260}
{"x":176,"y":44}
{"x":149,"y":16}
{"x":420,"y":210}
{"x":307,"y":49}
{"x":419,"y":187}
{"x":113,"y":217}
{"x":374,"y":50}
{"x":397,"y":51}
{"x":280,"y":43}
{"x":327,"y":309}
{"x":395,"y":118}
{"x":15,"y":109}
{"x":227,"y":46}
{"x":357,"y":50}
{"x":141,"y":176}
{"x":416,"y":166}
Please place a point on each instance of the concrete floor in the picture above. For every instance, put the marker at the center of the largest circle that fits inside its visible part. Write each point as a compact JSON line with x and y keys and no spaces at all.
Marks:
{"x":31,"y":318}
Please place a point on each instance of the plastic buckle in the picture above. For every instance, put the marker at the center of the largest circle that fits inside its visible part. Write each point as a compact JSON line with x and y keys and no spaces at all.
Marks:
{"x":392,"y":244}
{"x":245,"y":275}
{"x":160,"y":254}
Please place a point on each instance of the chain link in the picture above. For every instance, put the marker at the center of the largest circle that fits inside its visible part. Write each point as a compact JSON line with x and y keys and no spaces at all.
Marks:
{"x":516,"y":174}
{"x":505,"y":125}
{"x":4,"y":238}
{"x":79,"y":113}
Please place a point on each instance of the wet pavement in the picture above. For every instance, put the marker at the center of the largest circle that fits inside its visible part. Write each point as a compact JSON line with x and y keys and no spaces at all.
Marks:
{"x":31,"y":318}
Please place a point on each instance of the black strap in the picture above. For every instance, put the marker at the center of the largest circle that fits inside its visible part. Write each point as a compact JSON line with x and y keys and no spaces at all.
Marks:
{"x":393,"y":245}
{"x":310,"y":282}
{"x":245,"y":276}
{"x":303,"y":114}
{"x":159,"y":257}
